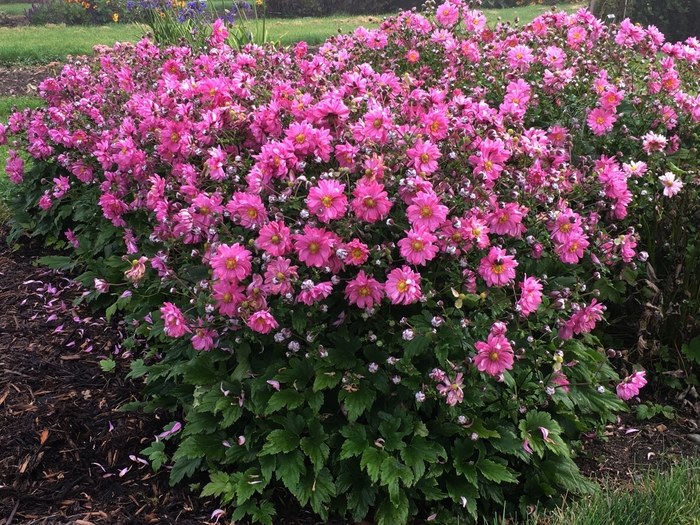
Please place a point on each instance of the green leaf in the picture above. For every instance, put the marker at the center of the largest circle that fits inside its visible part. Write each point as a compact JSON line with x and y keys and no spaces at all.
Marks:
{"x":326,"y":378}
{"x":183,"y":467}
{"x":430,"y":489}
{"x":318,"y":490}
{"x":285,"y":398}
{"x":58,"y":262}
{"x":242,"y":510}
{"x":316,"y":449}
{"x":360,"y":499}
{"x":246,"y":484}
{"x":219,"y":485}
{"x":482,"y":431}
{"x":299,"y":320}
{"x":356,"y":403}
{"x":263,"y":513}
{"x":495,"y":471}
{"x":415,"y":346}
{"x":393,"y":472}
{"x":290,"y":468}
{"x":280,"y":440}
{"x":692,"y":349}
{"x":355,"y":441}
{"x":390,"y":513}
{"x":268,"y":466}
{"x":645,"y":412}
{"x":420,"y":451}
{"x":108,"y":365}
{"x":459,"y":488}
{"x":372,"y":459}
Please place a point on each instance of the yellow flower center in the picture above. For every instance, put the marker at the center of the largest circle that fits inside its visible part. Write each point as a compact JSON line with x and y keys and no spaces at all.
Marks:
{"x":417,"y":246}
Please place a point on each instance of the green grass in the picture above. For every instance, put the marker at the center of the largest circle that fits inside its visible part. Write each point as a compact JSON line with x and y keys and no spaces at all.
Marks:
{"x":33,"y":44}
{"x":14,"y":9}
{"x":661,"y":497}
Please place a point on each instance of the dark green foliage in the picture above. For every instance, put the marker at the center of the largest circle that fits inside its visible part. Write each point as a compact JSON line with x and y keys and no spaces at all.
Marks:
{"x":677,"y":19}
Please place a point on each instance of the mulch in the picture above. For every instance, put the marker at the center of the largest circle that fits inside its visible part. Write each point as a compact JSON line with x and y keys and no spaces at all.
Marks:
{"x":67,"y":453}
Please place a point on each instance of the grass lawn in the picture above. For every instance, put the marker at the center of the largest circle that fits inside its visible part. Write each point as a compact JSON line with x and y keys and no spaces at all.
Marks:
{"x":14,"y":9}
{"x":661,"y":497}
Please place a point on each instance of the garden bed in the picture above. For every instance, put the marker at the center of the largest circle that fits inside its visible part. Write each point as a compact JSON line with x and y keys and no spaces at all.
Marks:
{"x":60,"y":423}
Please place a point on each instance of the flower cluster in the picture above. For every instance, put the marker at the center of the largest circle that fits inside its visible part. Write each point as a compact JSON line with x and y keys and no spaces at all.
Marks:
{"x":479,"y":184}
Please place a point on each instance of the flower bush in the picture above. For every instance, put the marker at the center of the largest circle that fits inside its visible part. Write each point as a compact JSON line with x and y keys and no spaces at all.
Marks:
{"x":193,"y":23}
{"x":78,"y":12}
{"x":378,"y":275}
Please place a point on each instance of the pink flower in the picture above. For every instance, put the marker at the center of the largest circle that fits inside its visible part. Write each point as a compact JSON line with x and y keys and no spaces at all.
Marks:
{"x":357,"y":253}
{"x":426,"y":211}
{"x":601,"y":120}
{"x":275,"y":239}
{"x":497,"y":268}
{"x":571,"y":250}
{"x":231,"y":263}
{"x":248,"y":209}
{"x":520,"y":57}
{"x":447,"y":14}
{"x":364,"y":291}
{"x":418,"y":247}
{"x":495,"y":355}
{"x":219,"y":34}
{"x":671,"y":185}
{"x":403,"y":286}
{"x":314,"y":246}
{"x":412,"y":56}
{"x":452,"y":390}
{"x":423,"y":156}
{"x":113,"y":209}
{"x":531,"y":296}
{"x":559,"y":380}
{"x":279,"y":275}
{"x":101,"y":285}
{"x":508,"y":220}
{"x":576,"y":36}
{"x":175,"y":324}
{"x":228,"y":296}
{"x":262,"y":322}
{"x":652,"y":142}
{"x":70,"y":235}
{"x":312,"y":293}
{"x":203,"y":338}
{"x":15,"y":167}
{"x":137,"y":270}
{"x":631,"y":385}
{"x":327,"y":200}
{"x":371,"y":202}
